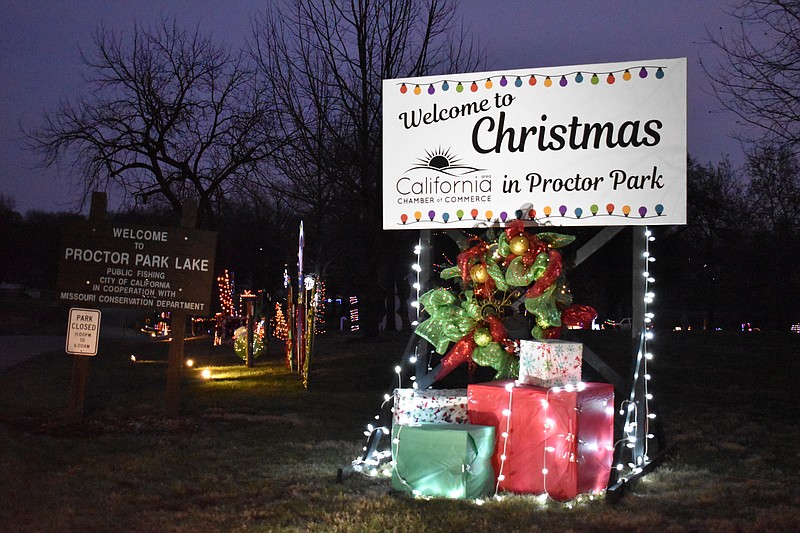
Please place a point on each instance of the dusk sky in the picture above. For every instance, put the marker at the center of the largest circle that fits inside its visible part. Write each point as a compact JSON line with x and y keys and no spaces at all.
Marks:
{"x":41,"y":41}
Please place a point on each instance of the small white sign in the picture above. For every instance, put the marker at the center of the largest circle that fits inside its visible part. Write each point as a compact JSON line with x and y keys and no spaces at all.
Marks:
{"x":83,"y":331}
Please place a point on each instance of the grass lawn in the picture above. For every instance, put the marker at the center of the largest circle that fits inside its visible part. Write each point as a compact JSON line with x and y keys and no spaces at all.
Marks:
{"x":254,"y":451}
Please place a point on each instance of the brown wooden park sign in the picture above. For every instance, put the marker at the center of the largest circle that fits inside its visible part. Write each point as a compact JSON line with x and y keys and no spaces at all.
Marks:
{"x":107,"y":264}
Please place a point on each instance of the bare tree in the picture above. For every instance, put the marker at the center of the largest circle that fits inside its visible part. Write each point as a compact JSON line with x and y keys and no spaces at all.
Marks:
{"x":167,"y":112}
{"x":7,"y":203}
{"x":759,"y":77}
{"x":707,"y":257}
{"x":326,"y":60}
{"x":715,"y":202}
{"x":773,"y":192}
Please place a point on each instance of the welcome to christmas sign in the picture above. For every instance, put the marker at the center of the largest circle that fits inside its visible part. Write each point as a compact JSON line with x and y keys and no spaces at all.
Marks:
{"x":601,"y":144}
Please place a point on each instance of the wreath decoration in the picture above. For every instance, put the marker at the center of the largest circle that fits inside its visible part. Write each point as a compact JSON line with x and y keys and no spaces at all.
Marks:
{"x":495,"y":275}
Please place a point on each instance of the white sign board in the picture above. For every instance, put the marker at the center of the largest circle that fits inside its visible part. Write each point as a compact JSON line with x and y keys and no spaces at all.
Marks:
{"x":83,"y":331}
{"x":601,"y":145}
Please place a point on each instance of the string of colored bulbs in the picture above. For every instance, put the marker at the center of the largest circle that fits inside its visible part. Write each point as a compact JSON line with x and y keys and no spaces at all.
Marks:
{"x":577,"y":213}
{"x":533,"y":80}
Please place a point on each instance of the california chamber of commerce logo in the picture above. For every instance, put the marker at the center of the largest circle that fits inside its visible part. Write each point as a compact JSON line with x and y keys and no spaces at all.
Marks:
{"x":442,"y":175}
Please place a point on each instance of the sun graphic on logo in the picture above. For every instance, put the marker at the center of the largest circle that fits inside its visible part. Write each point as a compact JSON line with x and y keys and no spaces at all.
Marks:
{"x":442,"y":160}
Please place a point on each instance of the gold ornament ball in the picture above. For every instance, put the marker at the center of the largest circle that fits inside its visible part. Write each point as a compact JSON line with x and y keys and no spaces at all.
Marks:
{"x":482,"y":337}
{"x":479,"y":274}
{"x":519,"y":245}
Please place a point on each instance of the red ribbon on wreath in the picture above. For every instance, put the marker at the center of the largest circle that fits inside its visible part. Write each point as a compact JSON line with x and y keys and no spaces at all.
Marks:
{"x":460,"y":353}
{"x":578,"y":316}
{"x":549,"y":277}
{"x":515,"y":229}
{"x":463,"y":259}
{"x":485,"y":289}
{"x":499,"y":333}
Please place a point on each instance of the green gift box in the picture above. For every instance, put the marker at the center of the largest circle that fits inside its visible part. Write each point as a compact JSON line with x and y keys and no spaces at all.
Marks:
{"x":449,"y":460}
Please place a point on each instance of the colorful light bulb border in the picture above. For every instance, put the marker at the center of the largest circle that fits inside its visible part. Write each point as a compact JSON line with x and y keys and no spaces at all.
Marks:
{"x":549,"y":213}
{"x":535,"y":79}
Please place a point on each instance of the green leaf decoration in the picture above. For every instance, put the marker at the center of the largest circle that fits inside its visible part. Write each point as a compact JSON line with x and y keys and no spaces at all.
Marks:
{"x":450,"y":273}
{"x":444,"y":327}
{"x":437,"y":298}
{"x":539,"y":265}
{"x":448,"y":322}
{"x":519,"y":276}
{"x":496,"y":273}
{"x":544,"y":308}
{"x":471,"y":307}
{"x":555,"y":240}
{"x":493,"y":355}
{"x":503,"y":247}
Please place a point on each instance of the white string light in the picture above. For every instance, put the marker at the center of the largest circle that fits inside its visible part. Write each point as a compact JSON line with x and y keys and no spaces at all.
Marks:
{"x":637,"y":409}
{"x":380,"y":457}
{"x":417,"y":285}
{"x":505,"y":435}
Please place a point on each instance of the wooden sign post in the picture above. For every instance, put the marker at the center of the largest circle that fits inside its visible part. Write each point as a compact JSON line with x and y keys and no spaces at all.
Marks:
{"x":80,"y":363}
{"x":178,"y":326}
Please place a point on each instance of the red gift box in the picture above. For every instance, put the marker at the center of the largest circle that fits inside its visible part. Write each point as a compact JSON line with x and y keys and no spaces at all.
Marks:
{"x":557,"y":441}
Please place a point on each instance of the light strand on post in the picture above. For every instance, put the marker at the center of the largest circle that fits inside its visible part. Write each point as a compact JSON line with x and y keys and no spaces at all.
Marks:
{"x":417,"y":284}
{"x":372,"y":458}
{"x":637,"y":409}
{"x":505,"y":436}
{"x":320,"y":317}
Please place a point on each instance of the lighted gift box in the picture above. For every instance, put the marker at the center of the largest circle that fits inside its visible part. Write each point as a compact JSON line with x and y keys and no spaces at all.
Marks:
{"x":432,"y":406}
{"x":550,"y":363}
{"x":446,"y":460}
{"x":557,"y":441}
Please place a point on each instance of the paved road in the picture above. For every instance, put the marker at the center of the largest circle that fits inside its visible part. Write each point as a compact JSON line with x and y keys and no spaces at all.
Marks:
{"x":14,"y":349}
